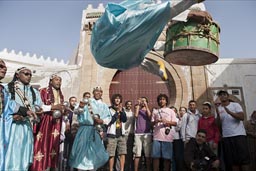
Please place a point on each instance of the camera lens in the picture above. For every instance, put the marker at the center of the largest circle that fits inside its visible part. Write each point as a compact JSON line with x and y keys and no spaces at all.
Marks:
{"x":167,"y":131}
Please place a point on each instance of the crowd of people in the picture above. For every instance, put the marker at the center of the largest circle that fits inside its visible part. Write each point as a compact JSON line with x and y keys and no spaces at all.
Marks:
{"x":40,"y":131}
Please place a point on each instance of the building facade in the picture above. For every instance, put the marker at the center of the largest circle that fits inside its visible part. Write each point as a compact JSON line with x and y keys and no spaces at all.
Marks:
{"x":184,"y":83}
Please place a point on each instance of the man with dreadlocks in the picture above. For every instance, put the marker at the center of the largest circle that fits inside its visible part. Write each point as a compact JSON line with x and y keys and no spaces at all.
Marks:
{"x":47,"y":136}
{"x":20,"y":149}
{"x":7,"y":109}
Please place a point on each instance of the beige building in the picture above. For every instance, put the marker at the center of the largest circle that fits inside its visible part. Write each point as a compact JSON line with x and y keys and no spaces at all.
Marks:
{"x":184,"y":83}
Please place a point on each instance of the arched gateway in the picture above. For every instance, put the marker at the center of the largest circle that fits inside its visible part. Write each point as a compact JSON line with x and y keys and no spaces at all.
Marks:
{"x":138,"y":82}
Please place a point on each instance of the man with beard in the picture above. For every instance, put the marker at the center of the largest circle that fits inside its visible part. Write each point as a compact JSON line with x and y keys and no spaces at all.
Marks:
{"x":47,"y":136}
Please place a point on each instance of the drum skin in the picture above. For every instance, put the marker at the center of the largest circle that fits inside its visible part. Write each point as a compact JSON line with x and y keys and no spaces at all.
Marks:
{"x":191,"y":43}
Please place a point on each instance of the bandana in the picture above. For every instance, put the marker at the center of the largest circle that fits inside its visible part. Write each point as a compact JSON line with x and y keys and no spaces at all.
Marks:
{"x":21,"y":69}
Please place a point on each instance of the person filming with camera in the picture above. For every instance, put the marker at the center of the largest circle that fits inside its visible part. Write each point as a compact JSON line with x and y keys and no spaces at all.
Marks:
{"x":162,"y":119}
{"x":198,"y":155}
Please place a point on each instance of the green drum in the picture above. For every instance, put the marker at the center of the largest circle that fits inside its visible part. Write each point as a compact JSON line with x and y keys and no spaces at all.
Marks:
{"x":191,"y":43}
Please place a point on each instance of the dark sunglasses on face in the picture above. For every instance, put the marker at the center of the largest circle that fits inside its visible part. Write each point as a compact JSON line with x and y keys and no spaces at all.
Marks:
{"x":27,"y":74}
{"x":2,"y":66}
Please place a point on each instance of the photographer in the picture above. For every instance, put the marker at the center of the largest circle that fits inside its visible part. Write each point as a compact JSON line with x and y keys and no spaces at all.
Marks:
{"x":198,"y":155}
{"x":142,"y":133}
{"x":162,"y":120}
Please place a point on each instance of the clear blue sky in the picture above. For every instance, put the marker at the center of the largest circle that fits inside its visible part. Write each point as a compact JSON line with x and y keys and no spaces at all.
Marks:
{"x":51,"y":28}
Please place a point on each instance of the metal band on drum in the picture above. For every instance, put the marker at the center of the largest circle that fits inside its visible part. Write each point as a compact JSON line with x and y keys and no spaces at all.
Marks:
{"x":191,"y":43}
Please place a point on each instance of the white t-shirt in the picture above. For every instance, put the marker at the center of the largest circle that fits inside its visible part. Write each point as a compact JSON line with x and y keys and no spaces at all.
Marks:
{"x":129,"y":124}
{"x":231,"y":126}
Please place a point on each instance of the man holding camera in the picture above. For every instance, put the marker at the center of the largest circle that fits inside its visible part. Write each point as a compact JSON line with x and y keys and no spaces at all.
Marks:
{"x":142,"y":133}
{"x":198,"y":155}
{"x":162,"y":120}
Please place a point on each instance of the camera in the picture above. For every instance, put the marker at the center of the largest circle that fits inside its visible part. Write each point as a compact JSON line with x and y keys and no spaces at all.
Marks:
{"x":167,"y":130}
{"x":201,"y":164}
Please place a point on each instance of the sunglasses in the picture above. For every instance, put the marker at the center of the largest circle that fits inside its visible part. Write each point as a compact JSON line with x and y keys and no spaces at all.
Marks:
{"x":2,"y":66}
{"x":27,"y":74}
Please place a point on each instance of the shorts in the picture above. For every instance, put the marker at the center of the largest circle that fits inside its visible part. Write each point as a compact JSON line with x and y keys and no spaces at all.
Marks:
{"x":142,"y":142}
{"x":118,"y":144}
{"x":162,"y":149}
{"x":236,"y":150}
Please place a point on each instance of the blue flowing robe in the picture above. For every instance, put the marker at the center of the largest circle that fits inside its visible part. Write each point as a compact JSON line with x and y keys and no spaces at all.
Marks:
{"x":126,"y":32}
{"x":88,"y":151}
{"x":10,"y":107}
{"x":19,"y":155}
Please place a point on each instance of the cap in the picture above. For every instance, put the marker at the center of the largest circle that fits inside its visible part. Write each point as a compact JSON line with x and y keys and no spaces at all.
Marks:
{"x":222,"y":92}
{"x":207,"y":103}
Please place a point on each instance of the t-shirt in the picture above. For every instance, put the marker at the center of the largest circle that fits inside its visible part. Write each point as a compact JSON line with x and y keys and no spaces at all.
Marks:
{"x":231,"y":126}
{"x":159,"y":128}
{"x":129,"y":124}
{"x":142,"y":123}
